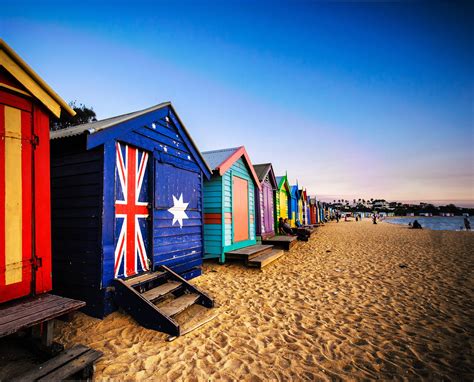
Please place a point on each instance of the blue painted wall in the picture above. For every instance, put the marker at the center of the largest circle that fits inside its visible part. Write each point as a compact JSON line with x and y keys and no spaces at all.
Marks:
{"x":172,"y":170}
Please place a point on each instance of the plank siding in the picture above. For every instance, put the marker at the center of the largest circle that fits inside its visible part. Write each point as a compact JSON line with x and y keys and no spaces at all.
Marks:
{"x":238,"y":169}
{"x":76,"y":210}
{"x":84,"y":221}
{"x":213,"y":205}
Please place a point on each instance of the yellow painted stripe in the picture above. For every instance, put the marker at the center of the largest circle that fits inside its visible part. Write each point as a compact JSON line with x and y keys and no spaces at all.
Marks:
{"x":13,"y":196}
{"x":29,"y":83}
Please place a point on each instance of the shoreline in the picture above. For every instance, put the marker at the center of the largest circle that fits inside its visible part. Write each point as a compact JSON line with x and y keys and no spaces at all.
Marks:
{"x":422,"y":218}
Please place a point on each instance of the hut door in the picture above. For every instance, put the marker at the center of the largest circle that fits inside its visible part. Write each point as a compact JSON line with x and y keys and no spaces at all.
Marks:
{"x":268,"y":207}
{"x":131,"y":211}
{"x":240,"y":210}
{"x":16,"y":203}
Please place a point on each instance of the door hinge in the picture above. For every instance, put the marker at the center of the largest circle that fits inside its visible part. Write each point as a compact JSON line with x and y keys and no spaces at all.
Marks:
{"x":35,"y":140}
{"x":37,"y":262}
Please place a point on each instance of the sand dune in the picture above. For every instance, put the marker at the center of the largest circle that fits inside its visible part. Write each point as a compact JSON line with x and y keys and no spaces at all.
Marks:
{"x":337,"y":307}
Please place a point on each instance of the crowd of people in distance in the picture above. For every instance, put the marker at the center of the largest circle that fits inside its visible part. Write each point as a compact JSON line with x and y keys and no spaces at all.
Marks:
{"x":284,"y":227}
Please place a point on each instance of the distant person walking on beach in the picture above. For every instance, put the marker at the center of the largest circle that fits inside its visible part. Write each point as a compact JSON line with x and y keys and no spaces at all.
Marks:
{"x":337,"y":217}
{"x":374,"y":219}
{"x":467,"y":224}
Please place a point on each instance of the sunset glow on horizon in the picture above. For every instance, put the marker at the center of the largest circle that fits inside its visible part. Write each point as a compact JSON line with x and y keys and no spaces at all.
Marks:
{"x":353,"y":100}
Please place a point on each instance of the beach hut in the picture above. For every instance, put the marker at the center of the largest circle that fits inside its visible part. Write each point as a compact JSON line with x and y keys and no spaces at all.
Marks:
{"x":282,"y":199}
{"x":293,"y":211}
{"x":27,"y":104}
{"x":313,"y":210}
{"x":305,"y":218}
{"x":229,"y":209}
{"x":301,"y":203}
{"x":127,"y":214}
{"x":264,"y":200}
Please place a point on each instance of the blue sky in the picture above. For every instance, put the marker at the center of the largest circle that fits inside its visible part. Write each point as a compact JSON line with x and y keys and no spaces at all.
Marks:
{"x":352,"y":99}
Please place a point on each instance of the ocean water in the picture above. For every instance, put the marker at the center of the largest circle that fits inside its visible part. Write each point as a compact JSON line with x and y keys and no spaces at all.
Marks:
{"x":451,"y":223}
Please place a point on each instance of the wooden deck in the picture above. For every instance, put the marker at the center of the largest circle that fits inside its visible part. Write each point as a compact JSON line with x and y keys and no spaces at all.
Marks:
{"x":283,"y":242}
{"x":258,"y":255}
{"x":265,"y":259}
{"x":247,"y":253}
{"x":73,"y":364}
{"x":31,"y":311}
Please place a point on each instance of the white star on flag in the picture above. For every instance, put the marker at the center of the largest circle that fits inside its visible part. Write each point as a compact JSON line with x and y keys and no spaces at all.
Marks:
{"x":179,"y":210}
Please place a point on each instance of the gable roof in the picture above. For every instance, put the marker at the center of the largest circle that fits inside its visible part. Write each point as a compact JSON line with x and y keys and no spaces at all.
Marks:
{"x":295,"y":191}
{"x":264,"y":169}
{"x":283,"y":181}
{"x":100,"y":131}
{"x":222,"y":160}
{"x":24,"y":74}
{"x":303,"y":194}
{"x":94,"y":127}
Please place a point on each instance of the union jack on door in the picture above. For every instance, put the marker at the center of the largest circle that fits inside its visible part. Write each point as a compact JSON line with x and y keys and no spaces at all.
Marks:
{"x":131,"y":211}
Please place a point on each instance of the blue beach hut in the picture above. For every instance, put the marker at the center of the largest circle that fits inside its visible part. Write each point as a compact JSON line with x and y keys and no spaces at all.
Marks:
{"x":293,"y":205}
{"x":127,"y":200}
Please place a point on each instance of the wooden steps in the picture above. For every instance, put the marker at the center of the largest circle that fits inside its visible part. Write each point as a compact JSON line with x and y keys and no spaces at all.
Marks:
{"x":143,"y":278}
{"x":267,"y":258}
{"x":161,"y":290}
{"x":281,"y":241}
{"x":248,"y":253}
{"x":178,"y":305}
{"x":72,"y":364}
{"x":258,"y":255}
{"x":153,"y":299}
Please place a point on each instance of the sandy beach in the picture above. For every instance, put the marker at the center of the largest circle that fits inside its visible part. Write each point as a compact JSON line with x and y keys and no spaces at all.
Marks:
{"x":358,"y":301}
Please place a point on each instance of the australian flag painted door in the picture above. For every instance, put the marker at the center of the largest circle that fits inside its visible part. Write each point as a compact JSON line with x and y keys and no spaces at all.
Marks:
{"x":131,"y":211}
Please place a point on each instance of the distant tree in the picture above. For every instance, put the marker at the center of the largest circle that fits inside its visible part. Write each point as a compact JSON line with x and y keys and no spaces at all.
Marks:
{"x":84,"y":114}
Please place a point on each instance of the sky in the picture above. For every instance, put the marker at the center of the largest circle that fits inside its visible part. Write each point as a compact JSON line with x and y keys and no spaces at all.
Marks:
{"x":351,"y":99}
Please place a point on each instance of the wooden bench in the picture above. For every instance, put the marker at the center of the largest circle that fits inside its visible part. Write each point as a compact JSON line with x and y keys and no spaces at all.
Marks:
{"x":74,"y":363}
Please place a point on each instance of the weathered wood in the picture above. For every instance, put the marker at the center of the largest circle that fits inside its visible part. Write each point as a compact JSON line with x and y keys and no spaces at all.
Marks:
{"x":143,"y":278}
{"x":52,"y":364}
{"x":263,"y":260}
{"x":194,"y":327}
{"x":44,"y":333}
{"x":155,"y":293}
{"x":179,"y":305}
{"x":73,"y":367}
{"x":35,"y":310}
{"x":139,"y":303}
{"x":283,"y":242}
{"x":249,"y":251}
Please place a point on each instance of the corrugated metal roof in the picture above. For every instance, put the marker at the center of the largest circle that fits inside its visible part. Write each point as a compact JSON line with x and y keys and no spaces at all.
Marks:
{"x":93,"y":127}
{"x":262,"y":170}
{"x":216,"y":157}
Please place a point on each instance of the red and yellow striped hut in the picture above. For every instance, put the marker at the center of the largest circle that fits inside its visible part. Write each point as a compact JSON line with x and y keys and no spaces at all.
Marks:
{"x":26,"y":104}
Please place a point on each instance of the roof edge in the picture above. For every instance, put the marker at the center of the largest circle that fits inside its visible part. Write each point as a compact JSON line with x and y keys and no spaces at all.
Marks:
{"x":19,"y":61}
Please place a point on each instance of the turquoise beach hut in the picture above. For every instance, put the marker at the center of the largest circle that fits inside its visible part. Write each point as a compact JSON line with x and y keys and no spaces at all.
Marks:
{"x":229,"y":202}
